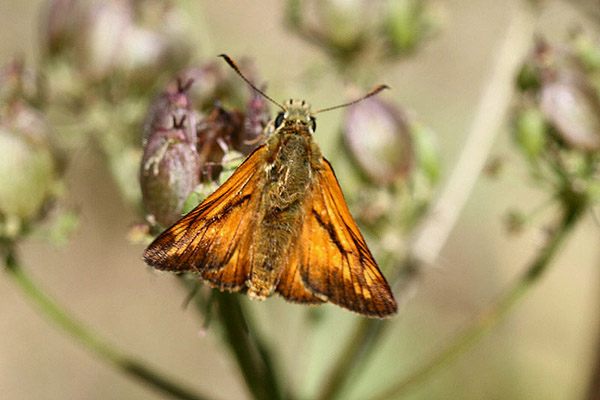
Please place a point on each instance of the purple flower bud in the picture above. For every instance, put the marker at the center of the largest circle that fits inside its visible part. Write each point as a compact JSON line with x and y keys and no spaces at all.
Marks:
{"x":378,"y":136}
{"x":169,"y":171}
{"x":173,"y":104}
{"x":571,"y":105}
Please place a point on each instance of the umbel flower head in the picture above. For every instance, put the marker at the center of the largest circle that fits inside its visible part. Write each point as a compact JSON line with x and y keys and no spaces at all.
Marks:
{"x":557,"y":121}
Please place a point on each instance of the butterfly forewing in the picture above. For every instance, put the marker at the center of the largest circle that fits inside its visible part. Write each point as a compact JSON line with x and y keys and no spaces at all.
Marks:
{"x":336,"y":263}
{"x":213,"y":239}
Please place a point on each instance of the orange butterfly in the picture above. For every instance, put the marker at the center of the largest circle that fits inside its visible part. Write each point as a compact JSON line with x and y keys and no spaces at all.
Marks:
{"x":279,"y":224}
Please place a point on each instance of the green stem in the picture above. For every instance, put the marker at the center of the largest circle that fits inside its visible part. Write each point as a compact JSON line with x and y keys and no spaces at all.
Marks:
{"x":89,"y":339}
{"x":492,"y":315}
{"x":353,"y":356}
{"x":250,"y":352}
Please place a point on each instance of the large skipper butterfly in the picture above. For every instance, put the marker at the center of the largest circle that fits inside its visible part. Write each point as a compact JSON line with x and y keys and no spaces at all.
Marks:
{"x":279,"y":224}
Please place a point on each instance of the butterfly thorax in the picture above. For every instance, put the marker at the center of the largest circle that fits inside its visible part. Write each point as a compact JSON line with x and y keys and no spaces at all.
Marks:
{"x":290,"y":154}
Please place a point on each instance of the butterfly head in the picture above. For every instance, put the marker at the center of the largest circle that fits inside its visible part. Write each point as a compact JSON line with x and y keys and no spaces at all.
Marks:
{"x":295,"y":112}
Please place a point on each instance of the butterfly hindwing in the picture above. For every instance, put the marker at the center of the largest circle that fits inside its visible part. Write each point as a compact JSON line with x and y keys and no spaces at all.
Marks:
{"x":213,"y":239}
{"x":336,"y":264}
{"x":291,"y":286}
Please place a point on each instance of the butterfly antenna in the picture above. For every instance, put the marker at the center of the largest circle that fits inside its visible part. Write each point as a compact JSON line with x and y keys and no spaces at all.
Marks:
{"x":184,"y":87}
{"x":366,"y":96}
{"x":233,"y":65}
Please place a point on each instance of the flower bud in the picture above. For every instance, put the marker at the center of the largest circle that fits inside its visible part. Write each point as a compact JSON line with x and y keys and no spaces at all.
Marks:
{"x":378,"y":136}
{"x":572,"y":106}
{"x":537,"y":66}
{"x":586,"y":50}
{"x":99,"y":45}
{"x":531,"y":131}
{"x":426,"y":150}
{"x":146,"y":53}
{"x":29,"y":167}
{"x":173,"y":104}
{"x":169,"y":172}
{"x":346,"y":25}
{"x":528,"y":77}
{"x":408,"y":22}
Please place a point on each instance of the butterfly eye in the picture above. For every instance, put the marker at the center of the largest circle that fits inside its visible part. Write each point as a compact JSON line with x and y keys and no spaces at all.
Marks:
{"x":313,"y":123}
{"x":279,"y":120}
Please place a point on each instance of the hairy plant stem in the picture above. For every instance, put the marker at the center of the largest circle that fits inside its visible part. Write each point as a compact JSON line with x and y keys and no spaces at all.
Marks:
{"x":84,"y":335}
{"x":437,"y":225}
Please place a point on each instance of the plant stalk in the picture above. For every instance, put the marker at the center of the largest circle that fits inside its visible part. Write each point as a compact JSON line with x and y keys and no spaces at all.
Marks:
{"x":494,"y":314}
{"x":434,"y":231}
{"x":84,"y":335}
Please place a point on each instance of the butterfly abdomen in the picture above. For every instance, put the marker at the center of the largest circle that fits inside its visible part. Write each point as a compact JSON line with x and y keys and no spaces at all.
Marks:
{"x":286,"y":186}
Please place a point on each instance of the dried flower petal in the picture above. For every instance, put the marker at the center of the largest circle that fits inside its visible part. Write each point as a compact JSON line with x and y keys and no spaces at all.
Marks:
{"x":216,"y":134}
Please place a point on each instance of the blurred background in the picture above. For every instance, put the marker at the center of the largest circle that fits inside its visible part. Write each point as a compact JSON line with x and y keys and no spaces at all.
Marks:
{"x":545,"y":350}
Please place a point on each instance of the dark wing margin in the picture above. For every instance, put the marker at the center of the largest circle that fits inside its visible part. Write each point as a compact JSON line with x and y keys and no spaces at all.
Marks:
{"x":336,"y":264}
{"x":213,"y":240}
